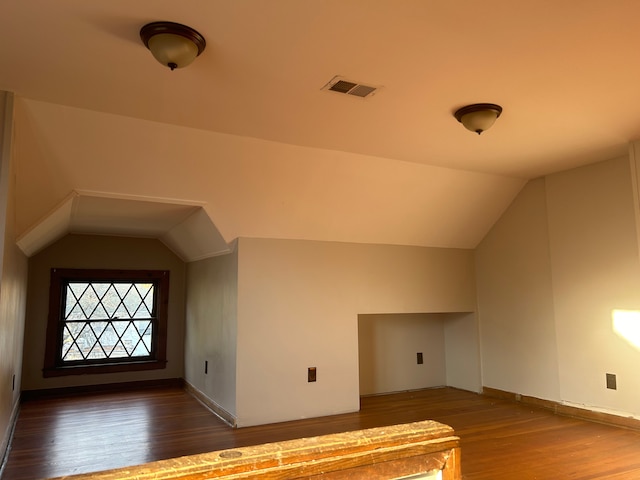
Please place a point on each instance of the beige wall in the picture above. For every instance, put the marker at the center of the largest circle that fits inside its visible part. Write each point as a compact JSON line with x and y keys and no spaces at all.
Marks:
{"x":462,"y":350}
{"x":515,"y":300}
{"x":550,"y":274}
{"x":387,"y":352}
{"x":298,"y":307}
{"x":13,"y":285}
{"x":92,"y":251}
{"x":595,"y":270}
{"x":211,"y":327}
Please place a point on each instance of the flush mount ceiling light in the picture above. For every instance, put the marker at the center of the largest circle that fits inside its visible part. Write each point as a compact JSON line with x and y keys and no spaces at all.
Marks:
{"x":172,"y":44}
{"x":479,"y":116}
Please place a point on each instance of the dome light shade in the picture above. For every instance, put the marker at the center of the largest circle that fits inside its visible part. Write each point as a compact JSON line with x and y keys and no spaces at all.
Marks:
{"x":172,"y":44}
{"x":479,"y":116}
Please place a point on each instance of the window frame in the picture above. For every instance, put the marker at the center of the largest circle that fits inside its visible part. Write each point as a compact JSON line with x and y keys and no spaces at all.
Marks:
{"x":53,"y":364}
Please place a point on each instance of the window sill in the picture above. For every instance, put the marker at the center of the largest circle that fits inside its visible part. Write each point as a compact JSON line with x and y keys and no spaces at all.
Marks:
{"x":104,"y":368}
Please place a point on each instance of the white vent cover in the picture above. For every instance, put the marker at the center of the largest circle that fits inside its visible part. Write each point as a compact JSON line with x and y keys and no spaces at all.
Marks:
{"x":340,"y":85}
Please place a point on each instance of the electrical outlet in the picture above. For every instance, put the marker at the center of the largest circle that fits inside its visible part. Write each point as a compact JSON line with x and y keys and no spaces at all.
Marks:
{"x":311,"y":374}
{"x":611,"y":381}
{"x":419,"y":358}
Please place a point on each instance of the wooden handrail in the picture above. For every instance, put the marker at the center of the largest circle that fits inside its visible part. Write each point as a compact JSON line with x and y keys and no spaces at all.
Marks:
{"x":424,"y":449}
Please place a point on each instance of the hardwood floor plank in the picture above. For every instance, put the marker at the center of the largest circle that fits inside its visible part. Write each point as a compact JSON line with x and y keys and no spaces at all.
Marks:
{"x":500,"y":439}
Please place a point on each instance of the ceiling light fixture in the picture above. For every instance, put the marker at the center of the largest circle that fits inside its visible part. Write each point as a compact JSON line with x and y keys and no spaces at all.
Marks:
{"x":172,"y":44}
{"x":479,"y":116}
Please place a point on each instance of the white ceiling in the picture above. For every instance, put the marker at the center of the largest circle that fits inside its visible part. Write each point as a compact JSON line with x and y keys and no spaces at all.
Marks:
{"x":567,"y":74}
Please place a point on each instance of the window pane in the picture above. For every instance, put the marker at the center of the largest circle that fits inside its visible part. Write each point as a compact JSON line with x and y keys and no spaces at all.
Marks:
{"x":88,"y":302}
{"x":86,"y":340}
{"x":100,"y":289}
{"x":111,"y":301}
{"x":73,"y":354}
{"x":73,"y":310}
{"x":108,"y":319}
{"x":147,"y":293}
{"x":108,"y":330}
{"x":69,"y":333}
{"x":135,"y":300}
{"x":96,"y":352}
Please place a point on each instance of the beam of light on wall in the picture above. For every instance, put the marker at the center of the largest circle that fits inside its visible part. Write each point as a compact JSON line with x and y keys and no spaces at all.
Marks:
{"x":626,"y":323}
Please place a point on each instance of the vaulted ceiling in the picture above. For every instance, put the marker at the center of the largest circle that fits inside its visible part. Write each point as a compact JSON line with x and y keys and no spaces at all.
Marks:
{"x":247,"y":135}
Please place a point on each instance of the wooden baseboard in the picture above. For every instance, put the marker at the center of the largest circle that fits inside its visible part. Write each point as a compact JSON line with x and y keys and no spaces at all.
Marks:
{"x":28,"y":395}
{"x":5,"y":442}
{"x":225,"y":416}
{"x":565,"y":410}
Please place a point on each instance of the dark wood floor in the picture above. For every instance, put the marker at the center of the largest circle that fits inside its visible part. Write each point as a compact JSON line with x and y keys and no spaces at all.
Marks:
{"x":500,"y":439}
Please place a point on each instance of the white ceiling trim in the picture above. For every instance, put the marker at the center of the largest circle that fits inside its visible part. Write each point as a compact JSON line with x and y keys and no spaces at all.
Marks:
{"x":183,"y":226}
{"x":49,"y":229}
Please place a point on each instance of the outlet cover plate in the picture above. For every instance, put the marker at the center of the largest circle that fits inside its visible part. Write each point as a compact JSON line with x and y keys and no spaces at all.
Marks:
{"x":611,"y":381}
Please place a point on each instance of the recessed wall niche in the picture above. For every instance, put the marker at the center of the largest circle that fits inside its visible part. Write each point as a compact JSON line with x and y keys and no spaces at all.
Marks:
{"x":388,"y":345}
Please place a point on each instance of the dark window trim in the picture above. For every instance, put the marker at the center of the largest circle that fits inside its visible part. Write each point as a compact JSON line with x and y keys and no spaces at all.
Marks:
{"x":52,"y":366}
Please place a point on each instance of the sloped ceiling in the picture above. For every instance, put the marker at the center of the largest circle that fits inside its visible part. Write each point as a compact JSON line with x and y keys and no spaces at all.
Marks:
{"x":247,"y":133}
{"x":248,"y":187}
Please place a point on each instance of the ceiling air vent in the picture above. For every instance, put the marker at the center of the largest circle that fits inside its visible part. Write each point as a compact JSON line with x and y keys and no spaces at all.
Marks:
{"x":340,"y":85}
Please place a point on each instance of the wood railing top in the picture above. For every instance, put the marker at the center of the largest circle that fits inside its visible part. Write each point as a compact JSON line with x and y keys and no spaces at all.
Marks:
{"x":376,"y":453}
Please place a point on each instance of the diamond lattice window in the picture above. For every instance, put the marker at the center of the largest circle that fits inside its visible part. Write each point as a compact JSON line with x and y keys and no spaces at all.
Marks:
{"x":106,"y":318}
